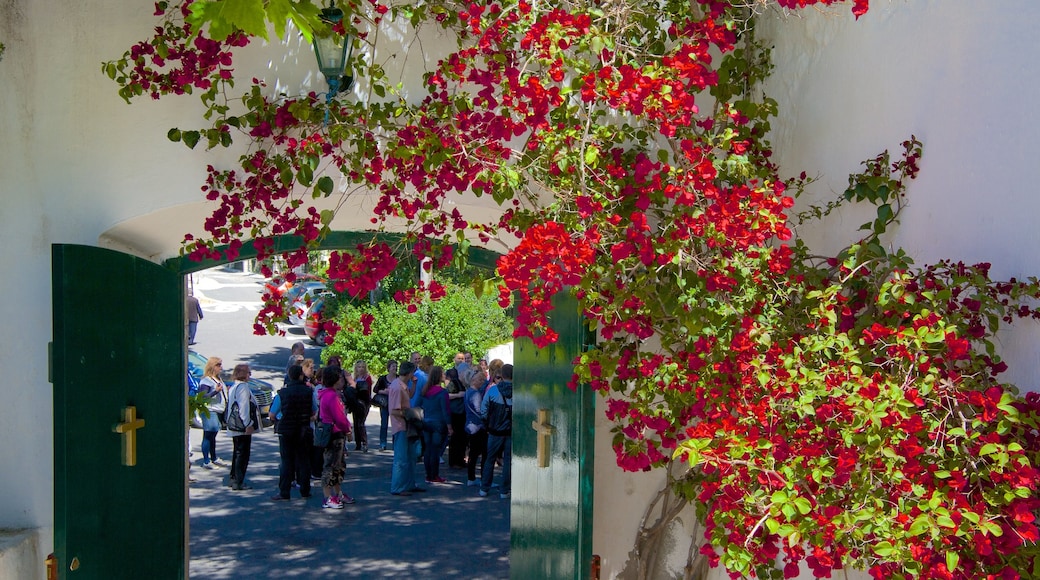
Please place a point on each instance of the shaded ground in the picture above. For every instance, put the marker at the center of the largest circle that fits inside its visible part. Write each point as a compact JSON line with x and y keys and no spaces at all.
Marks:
{"x":448,"y":532}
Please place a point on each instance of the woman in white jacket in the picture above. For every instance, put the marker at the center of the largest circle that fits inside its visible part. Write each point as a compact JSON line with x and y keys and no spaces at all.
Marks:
{"x":216,"y":391}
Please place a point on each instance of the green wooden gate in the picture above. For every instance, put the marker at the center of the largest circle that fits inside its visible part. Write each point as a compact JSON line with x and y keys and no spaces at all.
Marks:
{"x":118,"y":343}
{"x":552,"y":494}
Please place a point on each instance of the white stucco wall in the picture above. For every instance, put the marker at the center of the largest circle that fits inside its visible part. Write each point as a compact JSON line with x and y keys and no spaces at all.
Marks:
{"x":75,"y":160}
{"x":960,"y":75}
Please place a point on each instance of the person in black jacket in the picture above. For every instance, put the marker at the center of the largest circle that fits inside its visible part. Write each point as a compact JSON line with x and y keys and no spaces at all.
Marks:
{"x":294,"y":429}
{"x":497,"y":411}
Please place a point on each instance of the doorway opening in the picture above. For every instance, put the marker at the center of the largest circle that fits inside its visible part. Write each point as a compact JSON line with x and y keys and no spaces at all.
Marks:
{"x":270,"y":538}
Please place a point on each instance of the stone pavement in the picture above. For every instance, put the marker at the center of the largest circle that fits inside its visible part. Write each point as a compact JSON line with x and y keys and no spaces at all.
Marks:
{"x":448,"y":532}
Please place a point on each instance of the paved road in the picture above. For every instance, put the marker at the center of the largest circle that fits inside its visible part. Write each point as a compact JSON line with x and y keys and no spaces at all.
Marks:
{"x":448,"y":532}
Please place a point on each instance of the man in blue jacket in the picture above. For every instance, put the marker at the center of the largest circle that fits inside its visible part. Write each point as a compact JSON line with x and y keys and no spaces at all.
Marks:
{"x":497,"y":411}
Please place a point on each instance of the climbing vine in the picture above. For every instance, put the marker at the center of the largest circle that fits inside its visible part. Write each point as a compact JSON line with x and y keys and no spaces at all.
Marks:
{"x":833,"y":412}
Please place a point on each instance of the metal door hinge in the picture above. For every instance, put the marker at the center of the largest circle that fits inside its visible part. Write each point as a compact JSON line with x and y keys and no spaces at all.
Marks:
{"x":52,"y":567}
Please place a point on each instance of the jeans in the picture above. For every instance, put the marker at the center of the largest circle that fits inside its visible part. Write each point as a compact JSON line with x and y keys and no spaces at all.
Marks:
{"x":209,"y":446}
{"x":295,"y":464}
{"x":192,"y":327}
{"x":384,"y":422}
{"x":240,"y":459}
{"x":434,"y":438}
{"x":497,"y":445}
{"x":402,"y":477}
{"x":477,"y":452}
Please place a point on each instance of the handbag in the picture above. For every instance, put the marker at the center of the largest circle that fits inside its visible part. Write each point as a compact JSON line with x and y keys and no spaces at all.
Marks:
{"x":381,"y":399}
{"x":322,"y":432}
{"x":234,"y":419}
{"x":414,"y":421}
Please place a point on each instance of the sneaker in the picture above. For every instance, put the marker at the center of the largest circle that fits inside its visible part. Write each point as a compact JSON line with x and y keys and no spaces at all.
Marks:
{"x":482,"y":493}
{"x":345,"y":499}
{"x":472,"y":483}
{"x":208,"y":466}
{"x":436,"y":480}
{"x":279,"y":498}
{"x":504,"y":495}
{"x":364,"y":447}
{"x":332,"y":503}
{"x":220,"y":462}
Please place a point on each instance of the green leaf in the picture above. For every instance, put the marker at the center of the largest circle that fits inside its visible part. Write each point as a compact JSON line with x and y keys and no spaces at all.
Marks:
{"x":952,"y":559}
{"x":884,"y":212}
{"x":191,"y":138}
{"x":772,"y":525}
{"x":591,"y":155}
{"x":223,"y":17}
{"x":883,"y":548}
{"x":920,"y":525}
{"x":325,"y":185}
{"x":305,"y":175}
{"x":174,"y":135}
{"x":989,"y":449}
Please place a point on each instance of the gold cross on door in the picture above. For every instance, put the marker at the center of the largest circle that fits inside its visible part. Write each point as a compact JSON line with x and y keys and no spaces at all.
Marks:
{"x":545,"y":432}
{"x":128,"y":429}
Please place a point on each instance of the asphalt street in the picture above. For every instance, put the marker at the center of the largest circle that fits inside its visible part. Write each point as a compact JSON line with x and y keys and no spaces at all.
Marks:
{"x":448,"y":532}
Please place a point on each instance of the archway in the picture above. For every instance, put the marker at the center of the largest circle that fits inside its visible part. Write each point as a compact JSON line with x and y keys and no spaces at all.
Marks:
{"x":552,"y":501}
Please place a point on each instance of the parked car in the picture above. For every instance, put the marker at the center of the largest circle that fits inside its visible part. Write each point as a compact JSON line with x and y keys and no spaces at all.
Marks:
{"x":278,"y":285}
{"x":262,"y":390}
{"x":315,"y":318}
{"x":298,"y":308}
{"x":299,"y":289}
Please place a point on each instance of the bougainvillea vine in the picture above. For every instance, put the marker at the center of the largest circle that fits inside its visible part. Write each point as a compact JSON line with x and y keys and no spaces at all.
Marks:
{"x":833,"y":413}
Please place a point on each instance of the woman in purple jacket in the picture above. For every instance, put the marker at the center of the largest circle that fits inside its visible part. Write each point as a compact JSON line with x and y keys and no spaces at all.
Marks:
{"x":330,"y":410}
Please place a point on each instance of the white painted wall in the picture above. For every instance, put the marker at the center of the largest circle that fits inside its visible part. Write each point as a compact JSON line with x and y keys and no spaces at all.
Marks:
{"x":963,"y":77}
{"x":75,"y":161}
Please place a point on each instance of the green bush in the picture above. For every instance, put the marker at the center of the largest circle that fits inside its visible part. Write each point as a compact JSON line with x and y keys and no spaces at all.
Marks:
{"x":458,"y":322}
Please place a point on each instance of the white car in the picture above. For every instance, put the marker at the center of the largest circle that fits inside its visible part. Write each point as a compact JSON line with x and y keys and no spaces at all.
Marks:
{"x":298,"y":309}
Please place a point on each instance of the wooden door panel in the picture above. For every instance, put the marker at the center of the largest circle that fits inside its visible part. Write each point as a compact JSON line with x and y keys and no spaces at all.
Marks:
{"x":118,"y":334}
{"x":552,"y":504}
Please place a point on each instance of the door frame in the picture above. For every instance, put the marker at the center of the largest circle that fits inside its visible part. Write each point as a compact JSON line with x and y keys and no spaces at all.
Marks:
{"x":183,"y":266}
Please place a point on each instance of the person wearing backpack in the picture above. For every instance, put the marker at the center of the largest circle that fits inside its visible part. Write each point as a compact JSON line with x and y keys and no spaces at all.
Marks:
{"x":297,"y":409}
{"x":497,"y":411}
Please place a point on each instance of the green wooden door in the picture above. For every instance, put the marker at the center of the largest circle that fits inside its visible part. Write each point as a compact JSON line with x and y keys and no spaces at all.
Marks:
{"x":118,"y":343}
{"x":552,"y":495}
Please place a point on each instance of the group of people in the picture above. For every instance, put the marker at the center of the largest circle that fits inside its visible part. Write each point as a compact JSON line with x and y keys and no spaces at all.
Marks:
{"x":425,"y":410}
{"x":465,"y":409}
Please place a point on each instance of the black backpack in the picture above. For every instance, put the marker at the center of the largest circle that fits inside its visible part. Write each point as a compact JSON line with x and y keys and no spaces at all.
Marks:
{"x":500,"y":417}
{"x":350,"y":399}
